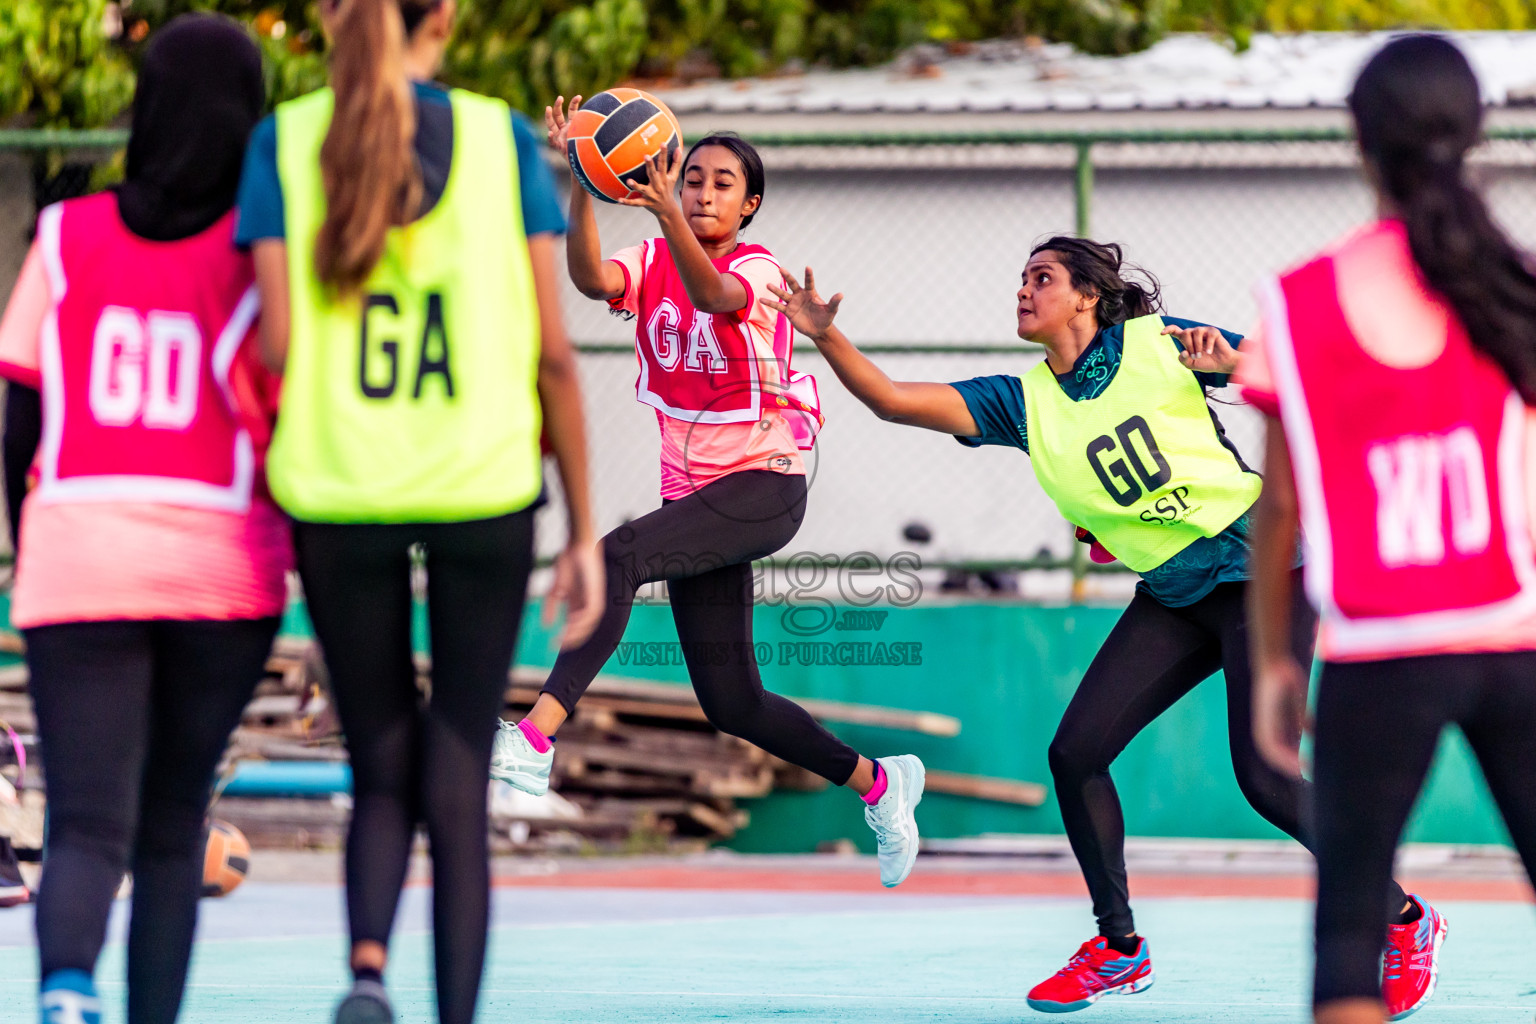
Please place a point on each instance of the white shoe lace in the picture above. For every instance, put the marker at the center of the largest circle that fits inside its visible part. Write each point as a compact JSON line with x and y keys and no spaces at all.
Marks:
{"x":885,"y":832}
{"x":885,"y":821}
{"x":512,"y":742}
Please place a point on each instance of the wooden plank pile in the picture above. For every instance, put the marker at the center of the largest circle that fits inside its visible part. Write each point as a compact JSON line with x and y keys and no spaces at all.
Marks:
{"x":637,"y":768}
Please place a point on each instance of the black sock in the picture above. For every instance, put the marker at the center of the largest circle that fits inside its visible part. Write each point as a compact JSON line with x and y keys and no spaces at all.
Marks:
{"x":368,"y":974}
{"x":1125,"y":945}
{"x":1412,"y":914}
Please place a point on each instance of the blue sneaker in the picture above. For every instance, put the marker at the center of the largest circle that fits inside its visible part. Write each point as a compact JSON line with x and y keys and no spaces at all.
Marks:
{"x":69,"y":997}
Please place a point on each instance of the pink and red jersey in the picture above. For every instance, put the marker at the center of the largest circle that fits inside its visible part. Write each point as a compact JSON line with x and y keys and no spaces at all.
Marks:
{"x":149,"y":500}
{"x":1412,"y":474}
{"x":725,"y":394}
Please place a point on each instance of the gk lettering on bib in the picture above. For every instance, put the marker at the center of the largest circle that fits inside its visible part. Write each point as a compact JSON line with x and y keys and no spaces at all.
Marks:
{"x":1410,"y":480}
{"x":135,"y":365}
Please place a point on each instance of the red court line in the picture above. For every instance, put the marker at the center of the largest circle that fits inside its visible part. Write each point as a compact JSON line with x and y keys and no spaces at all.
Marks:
{"x":991,"y":883}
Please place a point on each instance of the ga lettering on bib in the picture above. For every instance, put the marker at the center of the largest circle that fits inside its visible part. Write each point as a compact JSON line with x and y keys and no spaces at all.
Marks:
{"x":417,"y":400}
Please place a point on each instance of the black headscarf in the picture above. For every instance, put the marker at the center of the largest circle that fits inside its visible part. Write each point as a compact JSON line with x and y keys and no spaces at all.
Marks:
{"x":200,"y":93}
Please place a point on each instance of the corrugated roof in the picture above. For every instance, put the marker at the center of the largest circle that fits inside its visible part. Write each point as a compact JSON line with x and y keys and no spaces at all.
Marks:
{"x":1182,"y":72}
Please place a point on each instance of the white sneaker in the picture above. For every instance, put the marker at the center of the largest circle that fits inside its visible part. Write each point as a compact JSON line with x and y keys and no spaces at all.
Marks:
{"x":893,"y":817}
{"x":515,"y":762}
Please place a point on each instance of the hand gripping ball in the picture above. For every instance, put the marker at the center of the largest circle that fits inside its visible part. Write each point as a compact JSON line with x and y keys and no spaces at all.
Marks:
{"x":611,"y":137}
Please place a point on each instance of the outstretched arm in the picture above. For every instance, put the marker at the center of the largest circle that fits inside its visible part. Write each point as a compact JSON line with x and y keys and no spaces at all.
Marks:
{"x":1280,"y":683}
{"x":593,"y":276}
{"x":935,"y":406}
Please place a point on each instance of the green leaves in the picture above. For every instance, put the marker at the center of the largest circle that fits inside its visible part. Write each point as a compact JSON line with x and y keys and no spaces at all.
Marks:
{"x":586,"y":49}
{"x":60,"y":66}
{"x":1362,"y":15}
{"x":528,"y":52}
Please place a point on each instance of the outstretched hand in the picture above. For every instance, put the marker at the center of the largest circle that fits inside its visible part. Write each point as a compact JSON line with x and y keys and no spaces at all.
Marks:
{"x":1206,"y":349}
{"x":558,"y":122}
{"x":658,"y":193}
{"x":805,"y":309}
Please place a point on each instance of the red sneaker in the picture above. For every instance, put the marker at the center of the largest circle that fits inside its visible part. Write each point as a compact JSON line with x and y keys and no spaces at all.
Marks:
{"x":1410,"y":966}
{"x":1095,"y":971}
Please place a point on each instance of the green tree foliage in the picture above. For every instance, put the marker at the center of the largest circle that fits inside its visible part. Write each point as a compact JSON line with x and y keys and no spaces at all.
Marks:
{"x":1294,"y":15}
{"x":287,"y":30}
{"x":527,"y":51}
{"x":61,"y":68}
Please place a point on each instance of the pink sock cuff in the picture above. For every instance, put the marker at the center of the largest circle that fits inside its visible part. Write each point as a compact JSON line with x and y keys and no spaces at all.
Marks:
{"x":536,"y":737}
{"x":878,"y":789}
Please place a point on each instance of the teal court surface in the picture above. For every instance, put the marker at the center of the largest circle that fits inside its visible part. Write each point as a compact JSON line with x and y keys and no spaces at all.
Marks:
{"x":742,"y":939}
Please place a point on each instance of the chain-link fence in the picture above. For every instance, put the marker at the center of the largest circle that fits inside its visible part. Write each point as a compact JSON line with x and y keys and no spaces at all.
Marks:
{"x":927,"y":237}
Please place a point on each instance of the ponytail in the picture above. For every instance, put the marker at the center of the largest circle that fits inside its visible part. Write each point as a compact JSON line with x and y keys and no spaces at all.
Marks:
{"x":1417,"y":112}
{"x":372,"y":182}
{"x":1098,"y":269}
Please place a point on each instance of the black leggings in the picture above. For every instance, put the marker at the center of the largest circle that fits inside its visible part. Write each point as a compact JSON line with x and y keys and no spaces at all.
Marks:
{"x":134,"y":717}
{"x":18,"y":447}
{"x":703,"y":546}
{"x":1378,"y":723}
{"x":416,"y":760}
{"x":1151,"y":659}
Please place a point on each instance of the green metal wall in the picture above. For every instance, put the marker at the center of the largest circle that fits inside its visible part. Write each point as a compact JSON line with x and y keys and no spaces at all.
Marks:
{"x":1007,"y":671}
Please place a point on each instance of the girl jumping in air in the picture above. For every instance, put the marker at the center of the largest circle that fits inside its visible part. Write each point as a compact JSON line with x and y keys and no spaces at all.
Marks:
{"x":1397,"y":368}
{"x":150,"y":570}
{"x":404,"y":238}
{"x":1120,"y":435}
{"x":715,"y":365}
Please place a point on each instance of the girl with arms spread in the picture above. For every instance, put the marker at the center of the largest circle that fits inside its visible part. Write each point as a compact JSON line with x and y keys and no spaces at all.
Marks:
{"x":715,"y":366}
{"x":1397,"y":369}
{"x":1120,"y":435}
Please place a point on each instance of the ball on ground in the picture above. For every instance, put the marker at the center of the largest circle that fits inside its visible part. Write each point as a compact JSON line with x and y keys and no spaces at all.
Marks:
{"x":227,"y":859}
